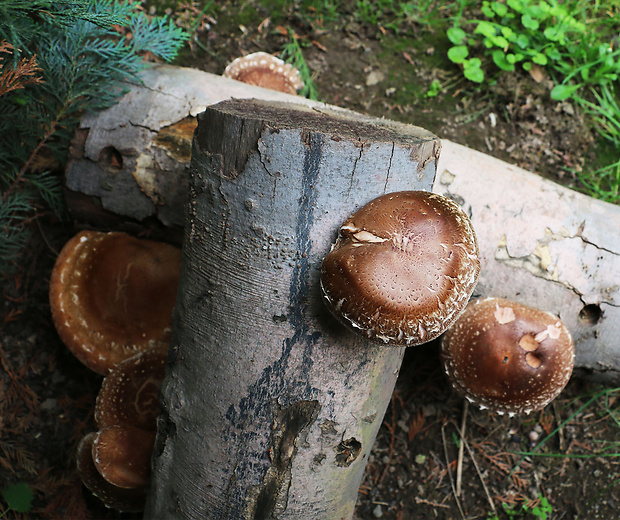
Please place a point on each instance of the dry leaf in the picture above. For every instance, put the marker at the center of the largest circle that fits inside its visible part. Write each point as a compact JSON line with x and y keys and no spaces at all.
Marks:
{"x":537,"y":73}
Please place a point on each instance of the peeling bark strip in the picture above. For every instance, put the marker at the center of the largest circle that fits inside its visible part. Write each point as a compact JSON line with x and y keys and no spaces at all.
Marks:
{"x":271,"y":497}
{"x":270,"y":408}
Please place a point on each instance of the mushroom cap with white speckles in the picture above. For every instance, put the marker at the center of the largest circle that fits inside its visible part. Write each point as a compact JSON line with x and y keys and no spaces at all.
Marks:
{"x":129,"y":394}
{"x":267,"y":71}
{"x":508,"y":357}
{"x":122,"y":455}
{"x":121,"y":499}
{"x":112,"y":295}
{"x":403,"y":268}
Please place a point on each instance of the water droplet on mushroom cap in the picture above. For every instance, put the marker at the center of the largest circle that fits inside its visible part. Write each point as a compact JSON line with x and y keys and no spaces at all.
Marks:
{"x":508,"y":366}
{"x":403,"y":267}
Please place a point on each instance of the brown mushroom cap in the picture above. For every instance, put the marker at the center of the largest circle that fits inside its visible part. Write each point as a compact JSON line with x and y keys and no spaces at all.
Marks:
{"x":112,"y":295}
{"x":122,"y":454}
{"x":403,"y":267}
{"x":264,"y":70}
{"x":508,"y":357}
{"x":129,"y":393}
{"x":111,"y":495}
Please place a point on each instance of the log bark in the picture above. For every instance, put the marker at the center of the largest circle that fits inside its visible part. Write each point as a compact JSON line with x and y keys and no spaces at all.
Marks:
{"x":540,"y":220}
{"x":128,"y":165}
{"x":270,"y":407}
{"x":545,"y":246}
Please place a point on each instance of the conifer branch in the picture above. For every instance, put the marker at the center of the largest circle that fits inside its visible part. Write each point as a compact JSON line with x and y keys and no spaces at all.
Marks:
{"x":58,"y":60}
{"x":26,"y":166}
{"x":25,"y":73}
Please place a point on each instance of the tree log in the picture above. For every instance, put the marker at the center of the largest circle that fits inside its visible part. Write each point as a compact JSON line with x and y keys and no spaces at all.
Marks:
{"x":128,"y":164}
{"x":540,"y":220}
{"x":545,"y":246}
{"x":270,"y":407}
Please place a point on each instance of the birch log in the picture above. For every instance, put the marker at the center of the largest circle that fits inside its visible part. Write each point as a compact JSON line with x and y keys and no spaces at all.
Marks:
{"x":133,"y":159}
{"x":545,"y":246}
{"x":270,"y":407}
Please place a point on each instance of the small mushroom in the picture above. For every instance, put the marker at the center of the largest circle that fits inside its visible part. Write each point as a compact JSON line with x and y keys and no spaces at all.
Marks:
{"x":508,"y":357}
{"x":264,"y":70}
{"x":121,"y":499}
{"x":403,"y":267}
{"x":122,"y":455}
{"x":129,"y":393}
{"x":112,"y":295}
{"x":125,"y":413}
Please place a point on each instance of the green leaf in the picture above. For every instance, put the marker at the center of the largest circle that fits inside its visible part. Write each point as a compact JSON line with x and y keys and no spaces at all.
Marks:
{"x":509,"y":34}
{"x":434,"y":89}
{"x":576,"y":25}
{"x":514,"y":58}
{"x":472,"y":70}
{"x":486,"y":29}
{"x":18,"y":497}
{"x":539,"y":11}
{"x":487,"y":10}
{"x":456,"y":35}
{"x":523,"y":41}
{"x":529,"y":22}
{"x":555,"y":34}
{"x":562,"y":92}
{"x":499,"y":41}
{"x":553,"y":53}
{"x":517,"y":5}
{"x":539,"y":59}
{"x":458,"y":53}
{"x":499,"y":58}
{"x":499,"y":8}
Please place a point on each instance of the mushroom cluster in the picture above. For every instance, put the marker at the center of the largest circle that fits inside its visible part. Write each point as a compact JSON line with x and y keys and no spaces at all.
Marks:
{"x":403,"y":268}
{"x":111,"y":298}
{"x":508,"y":357}
{"x":402,"y":271}
{"x":115,"y":461}
{"x":267,"y":71}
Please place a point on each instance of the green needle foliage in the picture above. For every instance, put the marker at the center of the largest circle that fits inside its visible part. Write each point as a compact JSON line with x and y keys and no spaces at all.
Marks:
{"x":59,"y":59}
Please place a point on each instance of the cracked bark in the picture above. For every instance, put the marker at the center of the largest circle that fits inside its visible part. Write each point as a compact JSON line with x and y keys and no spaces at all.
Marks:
{"x":151,"y":130}
{"x":546,"y":246}
{"x":270,"y":407}
{"x":502,"y":199}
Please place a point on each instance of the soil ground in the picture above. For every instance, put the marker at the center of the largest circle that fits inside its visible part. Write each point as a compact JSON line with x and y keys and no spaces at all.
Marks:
{"x":47,"y":396}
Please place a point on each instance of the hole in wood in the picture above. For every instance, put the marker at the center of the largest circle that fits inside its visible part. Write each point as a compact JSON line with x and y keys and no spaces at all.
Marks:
{"x":347,"y":451}
{"x":590,"y":314}
{"x":110,"y":158}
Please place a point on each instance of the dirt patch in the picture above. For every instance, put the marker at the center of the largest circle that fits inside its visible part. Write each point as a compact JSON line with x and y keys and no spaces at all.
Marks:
{"x":377,"y":72}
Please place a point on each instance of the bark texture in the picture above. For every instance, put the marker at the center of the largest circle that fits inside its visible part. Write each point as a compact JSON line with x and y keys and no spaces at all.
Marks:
{"x":270,"y":407}
{"x":545,"y":246}
{"x":130,"y":162}
{"x":542,"y":244}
